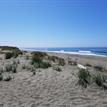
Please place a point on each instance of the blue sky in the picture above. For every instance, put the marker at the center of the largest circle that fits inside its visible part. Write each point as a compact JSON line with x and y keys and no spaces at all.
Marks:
{"x":53,"y":23}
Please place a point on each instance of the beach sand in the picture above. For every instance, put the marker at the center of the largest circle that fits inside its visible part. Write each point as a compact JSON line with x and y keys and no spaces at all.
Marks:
{"x":50,"y":88}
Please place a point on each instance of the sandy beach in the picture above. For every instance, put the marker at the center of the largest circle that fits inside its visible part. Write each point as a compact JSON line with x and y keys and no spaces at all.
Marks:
{"x":49,"y":87}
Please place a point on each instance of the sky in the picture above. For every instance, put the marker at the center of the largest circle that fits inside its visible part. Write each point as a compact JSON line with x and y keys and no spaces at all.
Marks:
{"x":53,"y":23}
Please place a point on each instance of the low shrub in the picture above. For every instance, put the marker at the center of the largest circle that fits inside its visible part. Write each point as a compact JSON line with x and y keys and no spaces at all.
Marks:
{"x":14,"y":69}
{"x":53,"y":58}
{"x":7,"y":77}
{"x":39,"y":54}
{"x":13,"y":51}
{"x":37,"y":60}
{"x":8,"y":55}
{"x":101,"y":80}
{"x":43,"y":65}
{"x":61,"y":62}
{"x":8,"y":68}
{"x":84,"y":77}
{"x":11,"y":68}
{"x":8,"y":48}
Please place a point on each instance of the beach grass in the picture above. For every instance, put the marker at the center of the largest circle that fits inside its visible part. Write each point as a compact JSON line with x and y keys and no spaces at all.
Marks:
{"x":84,"y":77}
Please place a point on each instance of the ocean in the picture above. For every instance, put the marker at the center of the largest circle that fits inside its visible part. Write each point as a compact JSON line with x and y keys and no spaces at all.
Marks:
{"x":100,"y":51}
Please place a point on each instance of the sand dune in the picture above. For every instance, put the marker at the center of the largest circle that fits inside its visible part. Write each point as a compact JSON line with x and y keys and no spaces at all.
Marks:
{"x":50,"y":88}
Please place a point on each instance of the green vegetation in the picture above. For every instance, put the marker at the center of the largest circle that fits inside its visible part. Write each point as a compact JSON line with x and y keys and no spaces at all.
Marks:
{"x":9,"y":55}
{"x":7,"y":77}
{"x":39,"y":54}
{"x":8,"y":68}
{"x":11,"y":68}
{"x":42,"y":64}
{"x":84,"y":77}
{"x":11,"y":51}
{"x":14,"y":69}
{"x":101,"y":80}
{"x":61,"y":62}
{"x":8,"y":48}
{"x":53,"y":58}
{"x":37,"y":60}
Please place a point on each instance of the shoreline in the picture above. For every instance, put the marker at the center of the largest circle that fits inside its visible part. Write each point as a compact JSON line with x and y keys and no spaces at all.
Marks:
{"x":84,"y":59}
{"x":70,"y":53}
{"x":89,"y":51}
{"x":76,"y":53}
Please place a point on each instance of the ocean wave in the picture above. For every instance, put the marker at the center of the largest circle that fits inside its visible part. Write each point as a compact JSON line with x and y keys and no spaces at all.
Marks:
{"x":81,"y":51}
{"x":78,"y":53}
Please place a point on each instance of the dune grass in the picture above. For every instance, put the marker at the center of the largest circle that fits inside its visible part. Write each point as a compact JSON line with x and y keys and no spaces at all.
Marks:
{"x":37,"y":60}
{"x":84,"y":77}
{"x":39,"y":54}
{"x":11,"y":68}
{"x":101,"y":80}
{"x":61,"y":62}
{"x":53,"y":58}
{"x":5,"y":77}
{"x":11,"y":51}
